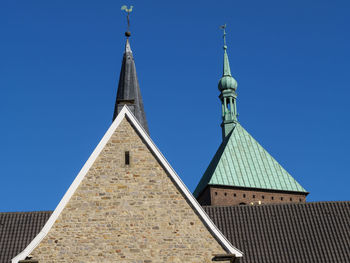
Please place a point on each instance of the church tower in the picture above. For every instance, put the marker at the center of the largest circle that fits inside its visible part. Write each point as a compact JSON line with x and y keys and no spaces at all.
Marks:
{"x":242,"y":172}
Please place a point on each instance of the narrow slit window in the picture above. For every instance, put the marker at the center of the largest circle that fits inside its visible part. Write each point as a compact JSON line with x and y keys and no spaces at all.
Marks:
{"x":127,"y":158}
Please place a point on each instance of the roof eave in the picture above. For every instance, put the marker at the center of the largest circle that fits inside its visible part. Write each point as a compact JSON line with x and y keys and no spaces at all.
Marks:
{"x":257,"y":189}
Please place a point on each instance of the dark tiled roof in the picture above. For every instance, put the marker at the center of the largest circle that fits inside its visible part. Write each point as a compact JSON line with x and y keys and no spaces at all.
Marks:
{"x":311,"y":232}
{"x":289,"y":233}
{"x":17,"y":230}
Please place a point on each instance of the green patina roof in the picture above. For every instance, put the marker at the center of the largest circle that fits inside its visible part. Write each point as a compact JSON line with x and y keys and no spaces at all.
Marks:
{"x":242,"y":162}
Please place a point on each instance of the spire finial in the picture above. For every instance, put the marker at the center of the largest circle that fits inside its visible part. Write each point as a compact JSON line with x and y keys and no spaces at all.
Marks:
{"x":128,"y":11}
{"x":223,"y":27}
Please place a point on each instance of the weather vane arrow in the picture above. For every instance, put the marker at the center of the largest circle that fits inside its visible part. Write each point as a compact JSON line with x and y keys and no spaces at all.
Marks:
{"x":128,"y":11}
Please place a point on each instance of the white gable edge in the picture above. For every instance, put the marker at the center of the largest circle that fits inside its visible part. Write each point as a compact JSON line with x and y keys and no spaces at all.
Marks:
{"x":125,"y":112}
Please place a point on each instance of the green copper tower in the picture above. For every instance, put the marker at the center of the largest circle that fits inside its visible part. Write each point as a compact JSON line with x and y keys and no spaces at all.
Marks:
{"x":242,"y":172}
{"x":227,"y":86}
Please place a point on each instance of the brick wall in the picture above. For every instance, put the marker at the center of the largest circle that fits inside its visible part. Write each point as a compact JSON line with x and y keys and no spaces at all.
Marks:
{"x":127,"y":213}
{"x":231,"y":196}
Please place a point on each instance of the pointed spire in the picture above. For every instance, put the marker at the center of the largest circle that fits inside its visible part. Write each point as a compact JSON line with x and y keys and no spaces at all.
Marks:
{"x":227,"y":81}
{"x":129,"y":89}
{"x":227,"y":70}
{"x":127,"y":46}
{"x":227,"y":86}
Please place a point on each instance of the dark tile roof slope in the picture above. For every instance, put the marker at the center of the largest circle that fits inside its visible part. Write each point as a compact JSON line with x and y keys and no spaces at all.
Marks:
{"x":311,"y":232}
{"x":17,"y":229}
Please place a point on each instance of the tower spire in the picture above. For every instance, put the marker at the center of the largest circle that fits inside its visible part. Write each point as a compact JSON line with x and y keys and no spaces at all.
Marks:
{"x":227,"y":86}
{"x":128,"y":87}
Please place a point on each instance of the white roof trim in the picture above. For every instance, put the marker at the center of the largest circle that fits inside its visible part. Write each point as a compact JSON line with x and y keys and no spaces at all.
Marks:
{"x":125,"y":112}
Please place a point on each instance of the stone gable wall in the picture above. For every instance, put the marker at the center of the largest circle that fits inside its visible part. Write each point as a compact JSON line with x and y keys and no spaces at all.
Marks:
{"x":127,"y":213}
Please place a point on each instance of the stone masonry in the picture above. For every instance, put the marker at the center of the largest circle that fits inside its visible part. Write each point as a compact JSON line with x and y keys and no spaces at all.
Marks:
{"x":127,"y":213}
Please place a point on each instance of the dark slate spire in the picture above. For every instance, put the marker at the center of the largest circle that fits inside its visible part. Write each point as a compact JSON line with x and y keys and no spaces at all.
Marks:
{"x":128,"y":88}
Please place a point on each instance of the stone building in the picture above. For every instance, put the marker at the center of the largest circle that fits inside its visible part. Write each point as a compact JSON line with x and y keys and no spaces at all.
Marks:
{"x":242,"y":172}
{"x":127,"y":204}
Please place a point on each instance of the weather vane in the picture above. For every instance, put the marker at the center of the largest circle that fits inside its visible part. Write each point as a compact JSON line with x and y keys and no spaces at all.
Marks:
{"x":128,"y":11}
{"x":224,"y":28}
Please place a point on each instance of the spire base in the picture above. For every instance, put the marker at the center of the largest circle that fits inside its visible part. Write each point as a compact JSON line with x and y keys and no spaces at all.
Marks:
{"x":227,"y":127}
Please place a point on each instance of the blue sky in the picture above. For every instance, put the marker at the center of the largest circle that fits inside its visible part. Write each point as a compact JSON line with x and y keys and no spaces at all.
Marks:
{"x":59,"y":68}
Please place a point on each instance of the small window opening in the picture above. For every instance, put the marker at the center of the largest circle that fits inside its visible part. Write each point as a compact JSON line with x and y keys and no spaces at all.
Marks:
{"x":234,"y":195}
{"x":216,"y":193}
{"x":127,"y":158}
{"x":243,"y":195}
{"x":263,"y":197}
{"x":271,"y":197}
{"x":253,"y":196}
{"x":299,"y":199}
{"x":291,"y":199}
{"x":225,"y":194}
{"x":281,"y":198}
